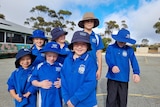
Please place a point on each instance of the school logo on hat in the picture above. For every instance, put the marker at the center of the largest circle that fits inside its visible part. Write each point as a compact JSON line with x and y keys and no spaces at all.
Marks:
{"x":51,"y":47}
{"x":81,"y":69}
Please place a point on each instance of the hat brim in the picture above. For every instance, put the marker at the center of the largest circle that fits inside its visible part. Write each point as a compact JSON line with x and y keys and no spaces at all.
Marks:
{"x":70,"y":46}
{"x":32,"y":37}
{"x":59,"y":34}
{"x":50,"y":50}
{"x":33,"y":57}
{"x":81,"y":23}
{"x":128,"y":40}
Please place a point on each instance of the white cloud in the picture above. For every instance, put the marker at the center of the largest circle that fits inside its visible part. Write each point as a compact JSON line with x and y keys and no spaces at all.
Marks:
{"x":141,"y":21}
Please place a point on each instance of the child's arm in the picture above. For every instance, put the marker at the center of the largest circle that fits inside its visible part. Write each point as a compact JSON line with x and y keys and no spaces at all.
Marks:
{"x":15,"y":96}
{"x":99,"y":60}
{"x":46,"y":84}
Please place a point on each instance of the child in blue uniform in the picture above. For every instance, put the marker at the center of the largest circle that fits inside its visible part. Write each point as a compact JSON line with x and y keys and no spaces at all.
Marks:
{"x":118,"y":57}
{"x":78,"y":75}
{"x":46,"y":76}
{"x":18,"y":83}
{"x":58,"y":35}
{"x":88,"y":23}
{"x":38,"y":38}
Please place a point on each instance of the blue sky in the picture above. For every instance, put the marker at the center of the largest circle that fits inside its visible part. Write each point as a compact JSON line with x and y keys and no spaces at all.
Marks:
{"x":140,"y":15}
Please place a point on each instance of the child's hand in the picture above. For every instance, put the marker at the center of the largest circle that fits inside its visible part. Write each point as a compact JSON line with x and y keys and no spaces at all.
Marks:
{"x":98,"y":74}
{"x":26,"y":94}
{"x":57,"y":83}
{"x":115,"y":69}
{"x":46,"y":84}
{"x":136,"y":78}
{"x":70,"y":104}
{"x":19,"y":99}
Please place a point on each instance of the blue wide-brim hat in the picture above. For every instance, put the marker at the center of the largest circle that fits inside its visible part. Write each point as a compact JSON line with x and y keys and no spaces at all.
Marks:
{"x":51,"y":47}
{"x":21,"y":53}
{"x":57,"y":32}
{"x":123,"y":36}
{"x":38,"y":34}
{"x":80,"y":36}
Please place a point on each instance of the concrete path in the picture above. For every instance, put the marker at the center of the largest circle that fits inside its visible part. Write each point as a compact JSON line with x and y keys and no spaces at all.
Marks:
{"x":144,"y":94}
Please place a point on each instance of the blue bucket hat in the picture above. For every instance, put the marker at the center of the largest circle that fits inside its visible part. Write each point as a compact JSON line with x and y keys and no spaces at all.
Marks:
{"x":38,"y":34}
{"x":123,"y":36}
{"x":51,"y":47}
{"x":80,"y":36}
{"x":57,"y":32}
{"x":21,"y":53}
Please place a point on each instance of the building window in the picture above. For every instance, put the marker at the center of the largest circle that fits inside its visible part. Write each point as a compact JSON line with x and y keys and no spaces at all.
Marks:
{"x":1,"y":36}
{"x":15,"y":38}
{"x":9,"y":37}
{"x":28,"y":41}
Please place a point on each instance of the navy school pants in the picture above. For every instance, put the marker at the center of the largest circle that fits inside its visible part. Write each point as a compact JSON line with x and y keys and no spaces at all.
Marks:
{"x":117,"y":93}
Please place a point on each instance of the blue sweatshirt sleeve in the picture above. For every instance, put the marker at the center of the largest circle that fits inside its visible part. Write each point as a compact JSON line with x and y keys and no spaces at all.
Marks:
{"x":10,"y":82}
{"x":108,"y":57}
{"x":100,"y":45}
{"x":87,"y":87}
{"x":64,"y":90}
{"x":134,"y":62}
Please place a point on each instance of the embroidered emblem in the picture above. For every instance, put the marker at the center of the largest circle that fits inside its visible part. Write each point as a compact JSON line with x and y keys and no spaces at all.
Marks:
{"x":128,"y":36}
{"x":54,"y":46}
{"x":124,"y":53}
{"x":81,"y":69}
{"x":94,"y":40}
{"x":58,"y":69}
{"x":83,"y":34}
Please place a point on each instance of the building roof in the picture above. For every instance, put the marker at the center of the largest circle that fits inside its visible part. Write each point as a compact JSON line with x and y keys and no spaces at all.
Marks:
{"x":10,"y":26}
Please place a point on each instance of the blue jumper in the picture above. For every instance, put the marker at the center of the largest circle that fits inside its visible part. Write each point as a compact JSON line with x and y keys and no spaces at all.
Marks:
{"x":121,"y":57}
{"x":44,"y":71}
{"x":78,"y":79}
{"x":19,"y":81}
{"x":39,"y":56}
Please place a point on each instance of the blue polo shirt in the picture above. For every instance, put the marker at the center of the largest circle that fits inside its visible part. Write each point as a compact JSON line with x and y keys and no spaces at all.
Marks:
{"x":78,"y":79}
{"x":121,"y":57}
{"x":39,"y":56}
{"x":96,"y":44}
{"x":19,"y":81}
{"x":45,"y":71}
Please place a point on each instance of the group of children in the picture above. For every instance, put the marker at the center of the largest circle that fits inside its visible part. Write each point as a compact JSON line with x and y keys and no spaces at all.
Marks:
{"x":68,"y":73}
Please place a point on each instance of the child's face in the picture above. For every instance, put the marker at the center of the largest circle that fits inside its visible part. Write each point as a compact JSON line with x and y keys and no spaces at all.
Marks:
{"x":80,"y":48}
{"x":38,"y":42}
{"x":61,"y":39}
{"x":121,"y":44}
{"x":51,"y":57}
{"x":89,"y":24}
{"x":25,"y":61}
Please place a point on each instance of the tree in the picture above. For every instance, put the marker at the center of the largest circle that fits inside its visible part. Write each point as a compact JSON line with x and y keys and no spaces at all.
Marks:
{"x":2,"y":16}
{"x":110,"y":26}
{"x":46,"y":19}
{"x":124,"y":25}
{"x":145,"y":42}
{"x":157,"y":27}
{"x":106,"y":42}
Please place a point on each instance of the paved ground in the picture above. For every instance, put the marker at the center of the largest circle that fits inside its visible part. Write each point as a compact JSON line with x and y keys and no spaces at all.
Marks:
{"x":144,"y":94}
